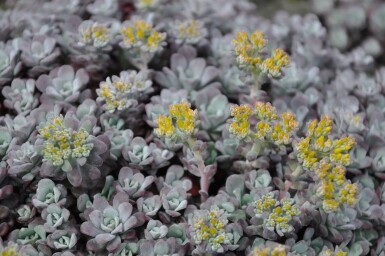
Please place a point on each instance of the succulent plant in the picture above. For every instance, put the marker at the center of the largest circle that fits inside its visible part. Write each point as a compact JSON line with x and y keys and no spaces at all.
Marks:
{"x":173,"y":200}
{"x":133,"y":182}
{"x":32,"y":234}
{"x":213,"y":112}
{"x":155,"y":230}
{"x":103,"y":7}
{"x":62,"y":85}
{"x":55,"y":217}
{"x":39,"y":54}
{"x":76,"y":153}
{"x":140,"y":41}
{"x":130,"y":248}
{"x":25,"y":213}
{"x":10,"y":64}
{"x":187,"y":72}
{"x":124,"y":91}
{"x":149,"y":204}
{"x":106,"y":223}
{"x":20,"y":96}
{"x":175,"y":179}
{"x":191,"y":127}
{"x":62,"y":240}
{"x":48,"y":193}
{"x":161,"y":247}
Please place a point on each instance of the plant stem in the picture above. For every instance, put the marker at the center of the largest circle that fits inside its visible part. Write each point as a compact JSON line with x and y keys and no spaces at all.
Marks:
{"x":256,"y":86}
{"x":204,"y":179}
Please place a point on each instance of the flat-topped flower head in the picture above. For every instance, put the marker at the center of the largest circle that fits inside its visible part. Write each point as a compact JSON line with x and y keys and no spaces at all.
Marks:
{"x":147,"y":4}
{"x":9,"y":251}
{"x":124,"y":91}
{"x":240,"y":124}
{"x":140,"y":34}
{"x":340,"y":148}
{"x":348,"y":194}
{"x":276,"y":214}
{"x":270,"y":126}
{"x":189,"y":31}
{"x":208,"y":227}
{"x":322,"y":128}
{"x":267,"y":202}
{"x":184,"y":116}
{"x":273,"y":66}
{"x":165,"y":126}
{"x":250,"y":54}
{"x":179,"y":125}
{"x":268,"y":251}
{"x":332,"y":187}
{"x":93,"y":34}
{"x":317,"y":145}
{"x":247,"y":48}
{"x":62,"y":143}
{"x":336,"y":252}
{"x":265,"y":111}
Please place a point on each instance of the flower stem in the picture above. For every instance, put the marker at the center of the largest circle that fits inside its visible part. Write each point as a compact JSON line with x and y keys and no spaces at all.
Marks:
{"x":204,"y":178}
{"x":256,"y":86}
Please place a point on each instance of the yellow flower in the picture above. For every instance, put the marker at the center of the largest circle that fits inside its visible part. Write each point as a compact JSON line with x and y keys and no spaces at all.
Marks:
{"x":305,"y":153}
{"x":154,"y":40}
{"x":184,"y":116}
{"x":279,"y":251}
{"x":9,"y":251}
{"x":266,"y":202}
{"x":139,"y":33}
{"x":241,"y":112}
{"x":248,"y":49}
{"x":330,"y":205}
{"x":190,"y":31}
{"x":94,"y":34}
{"x":257,"y":39}
{"x":182,"y":119}
{"x":275,"y":63}
{"x":262,"y":130}
{"x":165,"y":127}
{"x":240,"y":128}
{"x":146,"y":3}
{"x":322,"y":128}
{"x":288,"y":121}
{"x":348,"y":194}
{"x":265,"y":111}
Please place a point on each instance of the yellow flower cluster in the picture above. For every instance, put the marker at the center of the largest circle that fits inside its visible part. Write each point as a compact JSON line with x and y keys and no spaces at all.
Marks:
{"x":317,"y":145}
{"x":265,"y":203}
{"x":190,"y":31}
{"x":96,"y":35}
{"x":275,"y":63}
{"x":209,"y":226}
{"x":327,"y":158}
{"x":61,"y":143}
{"x":270,"y":126}
{"x":240,"y":124}
{"x":265,"y":111}
{"x":329,"y":252}
{"x":180,"y":122}
{"x":141,"y":4}
{"x":277,"y":251}
{"x":249,"y":51}
{"x":141,"y":34}
{"x":280,"y":212}
{"x":114,"y":93}
{"x":333,"y":188}
{"x":9,"y":251}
